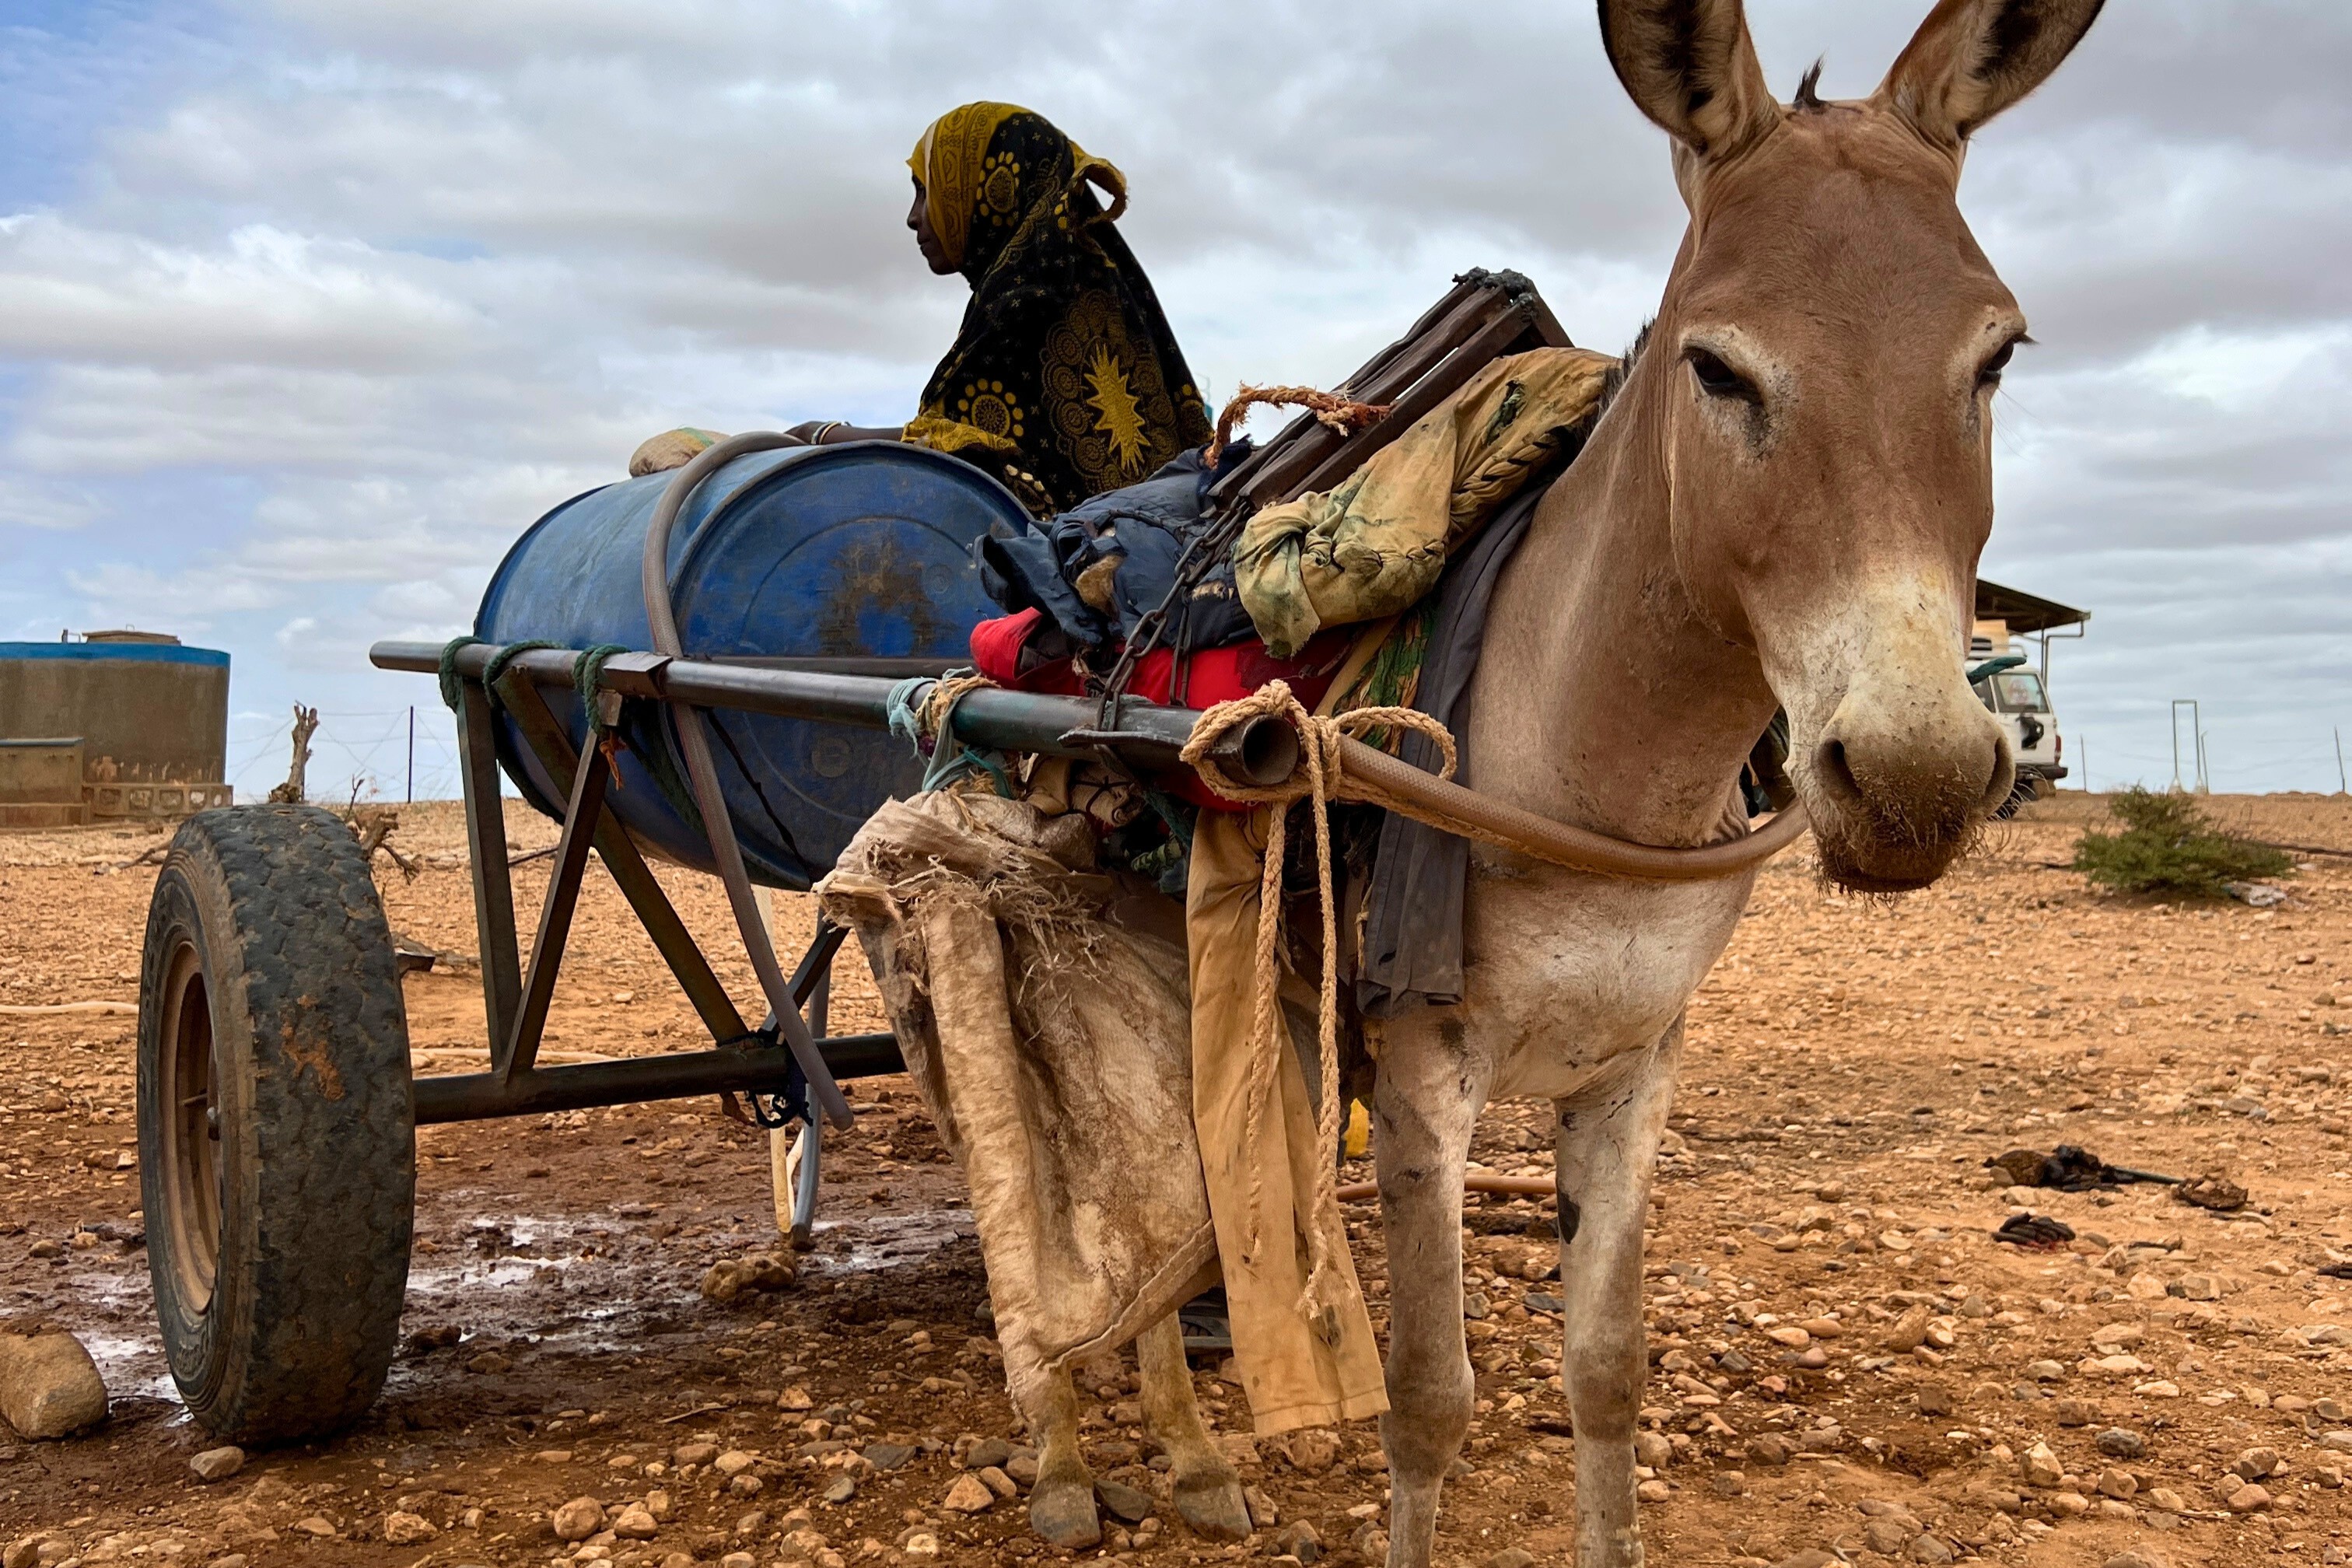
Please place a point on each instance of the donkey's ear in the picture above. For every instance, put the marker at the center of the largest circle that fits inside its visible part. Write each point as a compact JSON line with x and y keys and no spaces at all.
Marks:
{"x":1691,"y":67}
{"x":1972,"y":58}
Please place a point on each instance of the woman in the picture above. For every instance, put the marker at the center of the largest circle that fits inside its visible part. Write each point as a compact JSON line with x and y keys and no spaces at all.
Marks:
{"x":1064,"y":381}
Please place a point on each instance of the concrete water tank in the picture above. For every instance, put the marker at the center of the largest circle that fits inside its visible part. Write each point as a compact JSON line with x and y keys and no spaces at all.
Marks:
{"x":146,"y":717}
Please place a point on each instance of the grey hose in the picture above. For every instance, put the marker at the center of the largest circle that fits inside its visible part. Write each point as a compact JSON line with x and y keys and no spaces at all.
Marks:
{"x":703,"y":773}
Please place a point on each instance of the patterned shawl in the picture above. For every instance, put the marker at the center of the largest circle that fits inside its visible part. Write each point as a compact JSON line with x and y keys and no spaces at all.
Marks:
{"x":1064,"y":380}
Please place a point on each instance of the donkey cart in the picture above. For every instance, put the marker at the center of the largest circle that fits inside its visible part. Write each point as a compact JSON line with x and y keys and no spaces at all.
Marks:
{"x":276,"y":1106}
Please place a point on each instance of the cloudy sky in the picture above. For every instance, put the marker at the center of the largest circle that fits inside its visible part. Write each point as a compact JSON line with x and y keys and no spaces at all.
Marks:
{"x":307,"y":308}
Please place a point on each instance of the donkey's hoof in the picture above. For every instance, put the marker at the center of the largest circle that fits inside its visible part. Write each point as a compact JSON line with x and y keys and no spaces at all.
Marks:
{"x":1212,"y":1505}
{"x":1063,"y":1513}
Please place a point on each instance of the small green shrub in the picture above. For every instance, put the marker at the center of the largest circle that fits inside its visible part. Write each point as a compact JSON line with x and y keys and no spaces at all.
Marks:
{"x":2168,"y":846}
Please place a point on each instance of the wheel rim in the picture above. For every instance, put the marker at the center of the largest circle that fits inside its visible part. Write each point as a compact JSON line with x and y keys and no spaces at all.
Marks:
{"x":191,"y":1105}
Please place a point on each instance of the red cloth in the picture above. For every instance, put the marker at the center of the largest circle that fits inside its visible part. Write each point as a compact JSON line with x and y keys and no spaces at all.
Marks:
{"x":1212,"y":676}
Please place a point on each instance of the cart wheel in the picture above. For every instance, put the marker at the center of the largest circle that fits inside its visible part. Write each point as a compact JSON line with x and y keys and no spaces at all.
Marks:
{"x":276,"y":1129}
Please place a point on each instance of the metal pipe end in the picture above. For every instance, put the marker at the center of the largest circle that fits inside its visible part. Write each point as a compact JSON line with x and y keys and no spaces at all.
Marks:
{"x":1263,"y":752}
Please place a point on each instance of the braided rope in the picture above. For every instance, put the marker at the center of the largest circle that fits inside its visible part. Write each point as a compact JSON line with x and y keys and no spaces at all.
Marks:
{"x":1318,"y":779}
{"x":1343,"y":414}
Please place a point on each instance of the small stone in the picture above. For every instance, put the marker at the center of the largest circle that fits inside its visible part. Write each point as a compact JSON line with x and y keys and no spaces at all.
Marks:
{"x":918,"y":1543}
{"x":1771,"y":1450}
{"x":1264,"y":1514}
{"x":636,"y":1523}
{"x":694,"y":1453}
{"x":1728,"y":1483}
{"x":745,"y":1559}
{"x":2068,"y":1504}
{"x":2138,"y":1557}
{"x":1812,"y":1557}
{"x":1653,"y":1449}
{"x":986,"y":1453}
{"x":1929,"y":1549}
{"x":2249,"y":1499}
{"x":578,"y":1520}
{"x":2162,"y":1388}
{"x":1789,"y":1334}
{"x":1512,"y":1557}
{"x":1910,"y":1331}
{"x":841,"y":1491}
{"x":997,"y":1482}
{"x":407,"y":1529}
{"x":2040,"y":1466}
{"x":1654,"y":1491}
{"x":2119,"y":1484}
{"x":218,"y":1464}
{"x":746,"y":1485}
{"x":2073,"y":1412}
{"x":489,"y":1364}
{"x":969,"y":1494}
{"x":2044,"y":1370}
{"x":887,"y":1455}
{"x":23,"y":1552}
{"x":2199,"y":1288}
{"x":796,"y":1398}
{"x":1123,"y":1502}
{"x":734,"y":1462}
{"x":1813,"y":1358}
{"x":1885,"y":1536}
{"x":2256,"y":1464}
{"x":49,"y":1386}
{"x":1311,"y":1450}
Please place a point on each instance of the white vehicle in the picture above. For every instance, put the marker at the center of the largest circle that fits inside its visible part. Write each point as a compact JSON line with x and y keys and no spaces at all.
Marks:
{"x":2018,"y":698}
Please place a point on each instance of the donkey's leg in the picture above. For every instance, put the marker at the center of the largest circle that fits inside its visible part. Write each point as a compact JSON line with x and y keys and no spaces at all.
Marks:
{"x":1208,"y":1490}
{"x":1608,"y":1148}
{"x":1426,"y":1101}
{"x":1062,"y":1503}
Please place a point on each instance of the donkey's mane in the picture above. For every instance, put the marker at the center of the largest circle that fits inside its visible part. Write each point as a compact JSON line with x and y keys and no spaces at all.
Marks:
{"x":1614,"y":382}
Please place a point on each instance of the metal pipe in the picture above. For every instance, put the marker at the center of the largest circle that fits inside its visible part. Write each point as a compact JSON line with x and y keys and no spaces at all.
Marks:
{"x":475,"y":1097}
{"x":1263,"y":752}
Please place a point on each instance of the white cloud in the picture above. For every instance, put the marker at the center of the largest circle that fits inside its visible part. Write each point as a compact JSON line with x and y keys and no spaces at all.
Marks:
{"x":325,"y":325}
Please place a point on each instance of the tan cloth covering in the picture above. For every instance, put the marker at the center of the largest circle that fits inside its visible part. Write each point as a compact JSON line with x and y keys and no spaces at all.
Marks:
{"x":1377,"y":543}
{"x":1302,"y":1364}
{"x":1044,"y":1021}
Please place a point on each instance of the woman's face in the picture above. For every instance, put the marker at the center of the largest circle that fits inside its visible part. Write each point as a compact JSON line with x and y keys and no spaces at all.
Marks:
{"x":919,"y":218}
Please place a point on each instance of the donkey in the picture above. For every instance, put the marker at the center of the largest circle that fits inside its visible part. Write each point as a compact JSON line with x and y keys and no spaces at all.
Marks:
{"x":1783,"y":505}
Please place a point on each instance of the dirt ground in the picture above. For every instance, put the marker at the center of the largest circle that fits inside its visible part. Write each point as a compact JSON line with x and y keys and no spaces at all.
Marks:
{"x":1845,"y":1363}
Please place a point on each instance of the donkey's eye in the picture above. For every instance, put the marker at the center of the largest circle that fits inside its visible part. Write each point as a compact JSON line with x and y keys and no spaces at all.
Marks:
{"x":1718,"y":379}
{"x":1990,"y":376}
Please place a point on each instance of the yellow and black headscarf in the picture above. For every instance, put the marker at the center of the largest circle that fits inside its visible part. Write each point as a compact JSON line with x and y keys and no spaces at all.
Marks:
{"x":1064,"y":378}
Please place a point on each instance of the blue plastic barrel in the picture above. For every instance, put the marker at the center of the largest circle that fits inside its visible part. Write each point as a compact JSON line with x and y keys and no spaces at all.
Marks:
{"x":858,"y":555}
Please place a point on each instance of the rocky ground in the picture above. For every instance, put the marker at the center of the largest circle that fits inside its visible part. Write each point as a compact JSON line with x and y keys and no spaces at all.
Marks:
{"x":1846,"y":1364}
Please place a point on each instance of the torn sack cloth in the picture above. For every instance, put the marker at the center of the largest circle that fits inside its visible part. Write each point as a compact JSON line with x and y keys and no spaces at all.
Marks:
{"x":1041,"y":1006}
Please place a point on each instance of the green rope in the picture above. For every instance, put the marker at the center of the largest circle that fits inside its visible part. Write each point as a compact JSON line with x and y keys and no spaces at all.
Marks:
{"x":448,"y":671}
{"x":497,"y":667}
{"x":585,"y":672}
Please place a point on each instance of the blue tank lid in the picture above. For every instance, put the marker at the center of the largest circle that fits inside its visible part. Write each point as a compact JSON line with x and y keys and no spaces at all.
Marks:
{"x":129,"y":652}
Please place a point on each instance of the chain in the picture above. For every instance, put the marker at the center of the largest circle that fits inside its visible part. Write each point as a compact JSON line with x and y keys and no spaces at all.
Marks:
{"x":1193,"y":568}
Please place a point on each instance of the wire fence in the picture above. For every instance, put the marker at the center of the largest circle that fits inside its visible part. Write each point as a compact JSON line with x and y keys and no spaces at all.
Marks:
{"x":2235,"y":764}
{"x":386,"y":755}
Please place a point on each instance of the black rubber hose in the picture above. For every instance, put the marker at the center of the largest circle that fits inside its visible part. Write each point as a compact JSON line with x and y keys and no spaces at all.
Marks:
{"x":702,"y":772}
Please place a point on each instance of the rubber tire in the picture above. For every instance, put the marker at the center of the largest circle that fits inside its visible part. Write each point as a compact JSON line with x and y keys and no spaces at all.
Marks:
{"x":316,"y":1158}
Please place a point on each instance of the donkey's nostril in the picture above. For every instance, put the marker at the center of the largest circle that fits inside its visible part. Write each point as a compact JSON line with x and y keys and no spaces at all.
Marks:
{"x":1831,"y":766}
